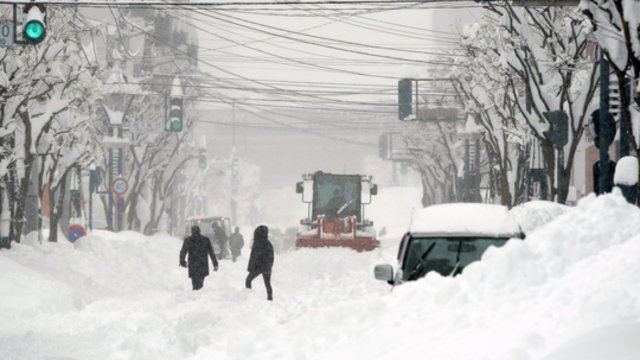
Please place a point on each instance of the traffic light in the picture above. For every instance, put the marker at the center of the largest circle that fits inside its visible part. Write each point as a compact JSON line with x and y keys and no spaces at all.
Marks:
{"x":34,"y":29}
{"x":175,"y":114}
{"x":202,"y":159}
{"x":405,"y":90}
{"x":558,"y":132}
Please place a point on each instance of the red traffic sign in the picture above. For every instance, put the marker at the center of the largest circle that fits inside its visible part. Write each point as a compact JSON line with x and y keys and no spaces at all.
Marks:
{"x":119,"y":185}
{"x":76,"y":231}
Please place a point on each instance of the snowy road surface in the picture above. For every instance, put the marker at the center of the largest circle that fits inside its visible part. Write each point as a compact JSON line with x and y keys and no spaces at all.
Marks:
{"x":123,"y":296}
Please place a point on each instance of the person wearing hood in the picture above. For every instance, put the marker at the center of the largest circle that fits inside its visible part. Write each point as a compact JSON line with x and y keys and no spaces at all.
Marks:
{"x":261,"y":259}
{"x":197,"y":247}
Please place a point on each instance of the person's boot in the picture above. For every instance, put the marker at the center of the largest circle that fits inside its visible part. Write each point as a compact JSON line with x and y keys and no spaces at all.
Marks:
{"x":270,"y":297}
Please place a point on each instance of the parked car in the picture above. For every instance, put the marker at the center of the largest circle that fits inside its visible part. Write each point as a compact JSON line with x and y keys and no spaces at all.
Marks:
{"x":446,"y":238}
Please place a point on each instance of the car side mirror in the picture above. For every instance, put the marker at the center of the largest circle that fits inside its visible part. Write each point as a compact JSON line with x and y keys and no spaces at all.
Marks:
{"x":384,"y":272}
{"x":299,"y":187}
{"x":374,"y":189}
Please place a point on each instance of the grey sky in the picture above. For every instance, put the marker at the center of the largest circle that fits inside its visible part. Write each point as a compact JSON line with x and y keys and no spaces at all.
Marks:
{"x":349,"y":137}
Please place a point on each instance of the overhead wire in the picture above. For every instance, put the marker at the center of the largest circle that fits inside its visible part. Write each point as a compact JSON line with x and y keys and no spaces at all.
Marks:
{"x":286,"y":91}
{"x":294,"y":60}
{"x":317,"y":37}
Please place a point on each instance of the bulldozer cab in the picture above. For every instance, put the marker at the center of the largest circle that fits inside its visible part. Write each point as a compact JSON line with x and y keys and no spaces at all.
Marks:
{"x":336,"y":196}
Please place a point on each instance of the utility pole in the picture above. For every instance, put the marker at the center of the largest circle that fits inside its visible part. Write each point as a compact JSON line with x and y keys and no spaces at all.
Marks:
{"x":603,"y":180}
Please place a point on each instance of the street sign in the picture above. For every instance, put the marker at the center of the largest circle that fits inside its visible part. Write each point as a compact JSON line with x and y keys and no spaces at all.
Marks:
{"x":120,"y":204}
{"x":76,"y":231}
{"x":6,"y":34}
{"x":119,"y":185}
{"x":146,"y":127}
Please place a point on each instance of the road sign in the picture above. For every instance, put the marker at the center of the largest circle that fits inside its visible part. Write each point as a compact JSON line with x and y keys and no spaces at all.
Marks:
{"x":76,"y":231}
{"x":119,"y":185}
{"x":6,"y":34}
{"x":120,"y":204}
{"x":146,"y":127}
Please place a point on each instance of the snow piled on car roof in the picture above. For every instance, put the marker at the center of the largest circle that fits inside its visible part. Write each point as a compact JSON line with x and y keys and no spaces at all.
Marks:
{"x":465,"y":218}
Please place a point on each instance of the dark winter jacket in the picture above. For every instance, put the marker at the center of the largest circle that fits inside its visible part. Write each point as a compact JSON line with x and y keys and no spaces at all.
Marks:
{"x":236,"y":242}
{"x":261,"y":258}
{"x":198,"y":247}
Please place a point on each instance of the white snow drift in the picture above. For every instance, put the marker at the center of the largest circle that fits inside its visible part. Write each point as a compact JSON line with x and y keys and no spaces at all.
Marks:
{"x":571,"y":287}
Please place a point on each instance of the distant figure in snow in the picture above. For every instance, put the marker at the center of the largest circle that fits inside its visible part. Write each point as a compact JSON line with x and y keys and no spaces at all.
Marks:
{"x":220,"y":237}
{"x":197,"y":247}
{"x":261,"y":259}
{"x":236,"y":242}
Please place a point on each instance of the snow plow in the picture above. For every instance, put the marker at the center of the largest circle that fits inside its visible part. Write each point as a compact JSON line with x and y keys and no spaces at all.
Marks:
{"x":336,"y":211}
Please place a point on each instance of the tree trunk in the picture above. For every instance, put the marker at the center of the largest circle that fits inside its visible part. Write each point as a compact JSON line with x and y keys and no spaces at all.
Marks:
{"x":56,"y":208}
{"x":550,"y":166}
{"x":152,"y":224}
{"x":133,"y":220}
{"x":24,"y":181}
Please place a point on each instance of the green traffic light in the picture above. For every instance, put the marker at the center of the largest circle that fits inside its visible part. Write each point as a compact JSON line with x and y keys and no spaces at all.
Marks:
{"x":202,"y":164}
{"x":34,"y":31}
{"x":176,"y":125}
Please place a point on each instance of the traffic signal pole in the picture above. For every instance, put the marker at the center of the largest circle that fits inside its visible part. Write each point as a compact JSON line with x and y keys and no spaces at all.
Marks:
{"x":604,"y":129}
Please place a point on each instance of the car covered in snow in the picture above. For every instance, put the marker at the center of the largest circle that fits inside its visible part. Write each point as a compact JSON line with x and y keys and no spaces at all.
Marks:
{"x":446,"y":238}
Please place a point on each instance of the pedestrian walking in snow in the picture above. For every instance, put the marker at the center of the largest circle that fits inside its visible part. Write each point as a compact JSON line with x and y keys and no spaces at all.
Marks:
{"x":236,"y":242}
{"x":261,"y":259}
{"x":220,"y":237}
{"x":197,"y":248}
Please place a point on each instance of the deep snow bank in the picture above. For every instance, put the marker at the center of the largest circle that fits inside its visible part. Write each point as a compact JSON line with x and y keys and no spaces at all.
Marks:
{"x":576,"y":274}
{"x":122,"y":296}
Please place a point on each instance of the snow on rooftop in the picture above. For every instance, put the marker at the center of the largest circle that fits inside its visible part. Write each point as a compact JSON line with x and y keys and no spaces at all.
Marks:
{"x":480,"y":219}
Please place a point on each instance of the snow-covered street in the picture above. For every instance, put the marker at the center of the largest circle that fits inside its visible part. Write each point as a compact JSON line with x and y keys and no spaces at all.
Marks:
{"x":123,"y":296}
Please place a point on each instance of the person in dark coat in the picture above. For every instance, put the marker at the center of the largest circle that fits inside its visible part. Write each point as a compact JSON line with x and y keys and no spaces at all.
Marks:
{"x":197,"y":247}
{"x":236,"y":242}
{"x":261,"y":259}
{"x":220,"y":237}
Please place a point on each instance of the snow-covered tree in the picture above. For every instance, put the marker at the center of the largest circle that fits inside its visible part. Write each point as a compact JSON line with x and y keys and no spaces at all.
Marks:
{"x":538,"y":56}
{"x":39,"y":86}
{"x":616,"y":25}
{"x":437,"y":152}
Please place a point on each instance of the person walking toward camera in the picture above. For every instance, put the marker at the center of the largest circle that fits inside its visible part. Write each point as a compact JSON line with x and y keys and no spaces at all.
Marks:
{"x":197,"y":248}
{"x":261,"y":259}
{"x":236,"y":242}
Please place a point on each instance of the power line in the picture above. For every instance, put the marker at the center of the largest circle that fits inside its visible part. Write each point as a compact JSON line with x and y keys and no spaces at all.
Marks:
{"x":218,"y":4}
{"x":316,"y":37}
{"x":313,"y":65}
